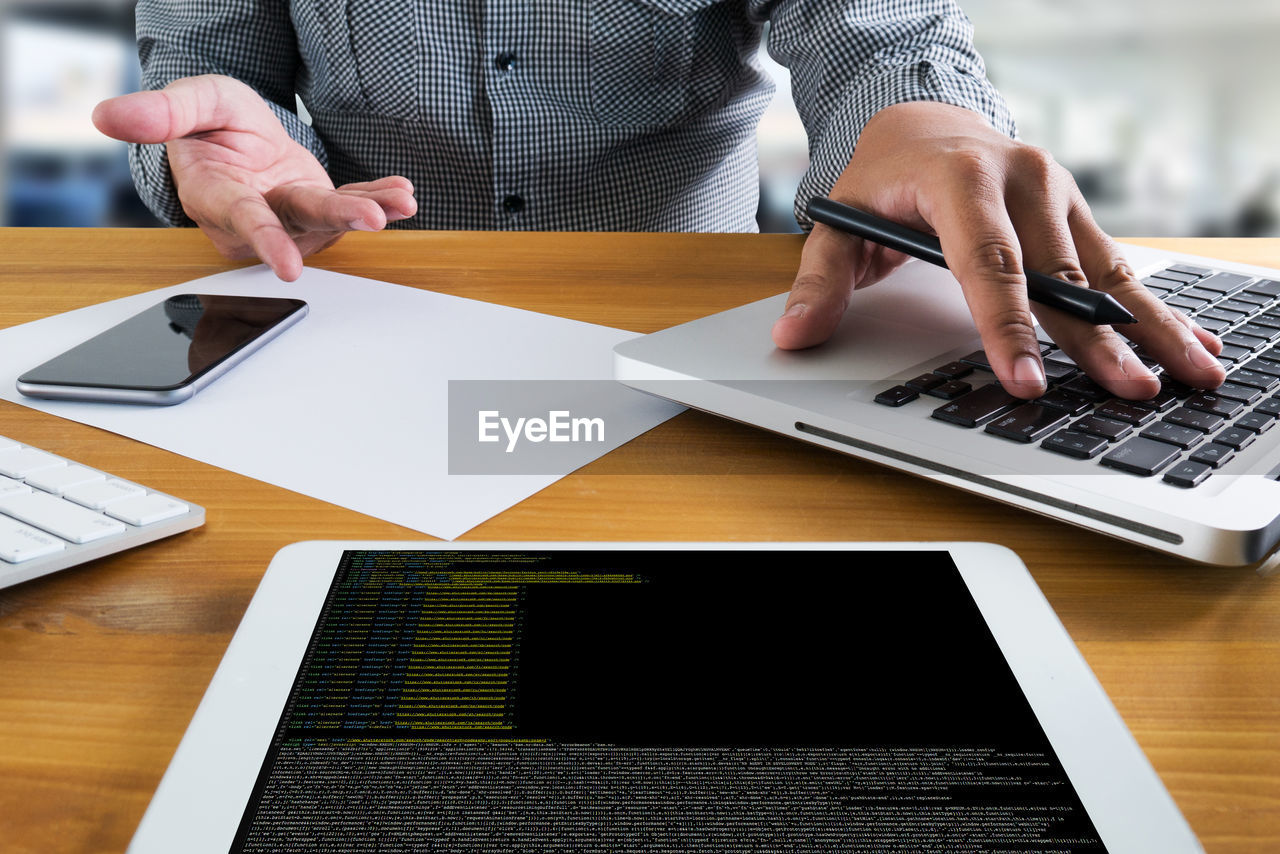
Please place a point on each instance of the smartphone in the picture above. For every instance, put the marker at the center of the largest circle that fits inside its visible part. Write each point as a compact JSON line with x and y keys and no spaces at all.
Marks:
{"x":165,"y":354}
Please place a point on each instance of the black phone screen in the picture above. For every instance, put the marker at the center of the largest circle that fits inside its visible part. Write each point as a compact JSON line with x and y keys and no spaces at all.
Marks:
{"x":167,"y":346}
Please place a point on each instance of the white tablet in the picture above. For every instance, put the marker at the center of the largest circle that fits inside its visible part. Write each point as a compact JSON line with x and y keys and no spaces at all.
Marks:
{"x":588,"y":697}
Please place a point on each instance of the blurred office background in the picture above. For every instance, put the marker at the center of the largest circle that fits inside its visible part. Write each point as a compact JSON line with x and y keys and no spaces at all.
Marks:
{"x":1166,"y":111}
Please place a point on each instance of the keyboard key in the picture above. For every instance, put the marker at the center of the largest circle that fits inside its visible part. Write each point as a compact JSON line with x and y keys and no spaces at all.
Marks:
{"x":19,"y":542}
{"x":1086,"y":388}
{"x":1258,"y":330}
{"x":56,"y":480}
{"x":1199,"y":293}
{"x":1233,"y":304}
{"x":1189,"y":304}
{"x":1213,"y":454}
{"x":954,"y":370}
{"x":1141,"y":456}
{"x":1107,"y":428}
{"x":1188,"y":474}
{"x":978,"y":406}
{"x":1175,"y":276}
{"x":897,"y":396}
{"x":1270,"y":367}
{"x":1270,"y":406}
{"x":1254,"y":379}
{"x":1082,"y":446}
{"x":1207,"y":401}
{"x":1249,"y":342}
{"x":925,"y":382}
{"x":1223,"y":283}
{"x":1234,"y":391}
{"x":52,"y":514}
{"x":1231,"y":352}
{"x":1215,"y":312}
{"x":1256,"y":422}
{"x":1183,"y":437}
{"x":1205,"y":422}
{"x":100,"y":494}
{"x":1067,"y":402}
{"x":978,"y":359}
{"x":9,"y":486}
{"x":1188,"y":268}
{"x":1235,"y":437}
{"x":142,"y":510}
{"x":20,"y":462}
{"x":1056,"y":372}
{"x":1163,"y":401}
{"x":1027,"y":423}
{"x":1263,"y":287}
{"x":950,"y":389}
{"x":1214,"y":325}
{"x":1123,"y":411}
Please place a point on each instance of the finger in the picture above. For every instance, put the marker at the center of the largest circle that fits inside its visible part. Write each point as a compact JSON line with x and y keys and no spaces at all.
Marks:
{"x":396,"y":201}
{"x":1041,"y":208}
{"x":1186,"y":351}
{"x":304,"y":208}
{"x":247,"y":219}
{"x":982,"y":251}
{"x":820,"y":294}
{"x":187,"y":106}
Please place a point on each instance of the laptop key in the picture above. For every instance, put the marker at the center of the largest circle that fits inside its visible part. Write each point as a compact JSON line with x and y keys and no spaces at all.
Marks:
{"x":1256,"y":422}
{"x":897,"y":396}
{"x":1183,"y":437}
{"x":1235,"y":437}
{"x":1188,"y":268}
{"x":1224,"y":283}
{"x":1263,"y":287}
{"x":1213,"y":454}
{"x":1124,"y":411}
{"x":1242,"y":393}
{"x":1082,"y":446}
{"x":1027,"y":423}
{"x":1068,"y":403}
{"x":1207,"y":401}
{"x":1270,"y":406}
{"x":950,"y":389}
{"x":1205,"y":422}
{"x":978,"y":406}
{"x":1107,"y":428}
{"x":1188,"y":474}
{"x":925,"y":382}
{"x":954,"y":370}
{"x":1254,"y":379}
{"x":1141,"y":456}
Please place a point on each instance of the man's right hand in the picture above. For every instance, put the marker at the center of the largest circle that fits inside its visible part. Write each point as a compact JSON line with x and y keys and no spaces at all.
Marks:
{"x":243,"y":179}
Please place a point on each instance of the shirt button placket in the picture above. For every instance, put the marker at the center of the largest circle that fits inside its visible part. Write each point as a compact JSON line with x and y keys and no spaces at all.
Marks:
{"x":504,"y":21}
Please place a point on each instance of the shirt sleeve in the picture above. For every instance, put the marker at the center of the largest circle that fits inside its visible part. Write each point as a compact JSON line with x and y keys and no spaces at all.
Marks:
{"x":849,"y":59}
{"x":250,"y":40}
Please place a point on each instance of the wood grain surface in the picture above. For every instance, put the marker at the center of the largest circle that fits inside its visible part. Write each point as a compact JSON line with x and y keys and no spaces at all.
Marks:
{"x":102,"y":666}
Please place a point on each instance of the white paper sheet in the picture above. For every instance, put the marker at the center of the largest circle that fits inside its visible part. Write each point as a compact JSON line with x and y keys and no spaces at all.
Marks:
{"x":349,"y":405}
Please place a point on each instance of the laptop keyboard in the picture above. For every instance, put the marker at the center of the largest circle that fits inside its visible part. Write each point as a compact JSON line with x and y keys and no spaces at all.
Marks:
{"x":1183,"y":434}
{"x":55,"y":513}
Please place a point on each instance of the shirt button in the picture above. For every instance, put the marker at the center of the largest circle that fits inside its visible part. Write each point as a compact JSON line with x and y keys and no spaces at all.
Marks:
{"x":513,"y":204}
{"x":504,"y":62}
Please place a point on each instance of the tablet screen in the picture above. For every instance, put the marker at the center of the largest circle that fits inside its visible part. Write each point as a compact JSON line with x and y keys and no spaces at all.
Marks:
{"x":657,"y":701}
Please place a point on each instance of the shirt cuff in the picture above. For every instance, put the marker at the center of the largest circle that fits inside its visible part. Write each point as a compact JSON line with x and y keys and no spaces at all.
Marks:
{"x":920,"y":81}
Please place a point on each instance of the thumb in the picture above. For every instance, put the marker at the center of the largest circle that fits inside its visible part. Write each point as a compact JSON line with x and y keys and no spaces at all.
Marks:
{"x":186,"y":106}
{"x":822,"y":288}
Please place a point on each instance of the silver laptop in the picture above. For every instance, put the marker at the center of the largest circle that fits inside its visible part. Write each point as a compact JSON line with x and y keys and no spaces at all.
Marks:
{"x":904,"y":383}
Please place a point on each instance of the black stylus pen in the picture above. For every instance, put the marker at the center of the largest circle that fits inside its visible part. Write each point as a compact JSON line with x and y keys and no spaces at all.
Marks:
{"x":1093,"y":306}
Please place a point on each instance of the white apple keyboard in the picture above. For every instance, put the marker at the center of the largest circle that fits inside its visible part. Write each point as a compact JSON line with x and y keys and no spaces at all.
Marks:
{"x":56,"y":513}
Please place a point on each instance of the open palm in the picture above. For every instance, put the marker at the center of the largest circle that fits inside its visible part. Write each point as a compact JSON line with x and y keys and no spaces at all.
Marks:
{"x":240,"y":176}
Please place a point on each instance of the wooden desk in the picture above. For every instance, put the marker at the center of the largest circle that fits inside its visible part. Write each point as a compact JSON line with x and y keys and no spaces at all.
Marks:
{"x":102,"y":666}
